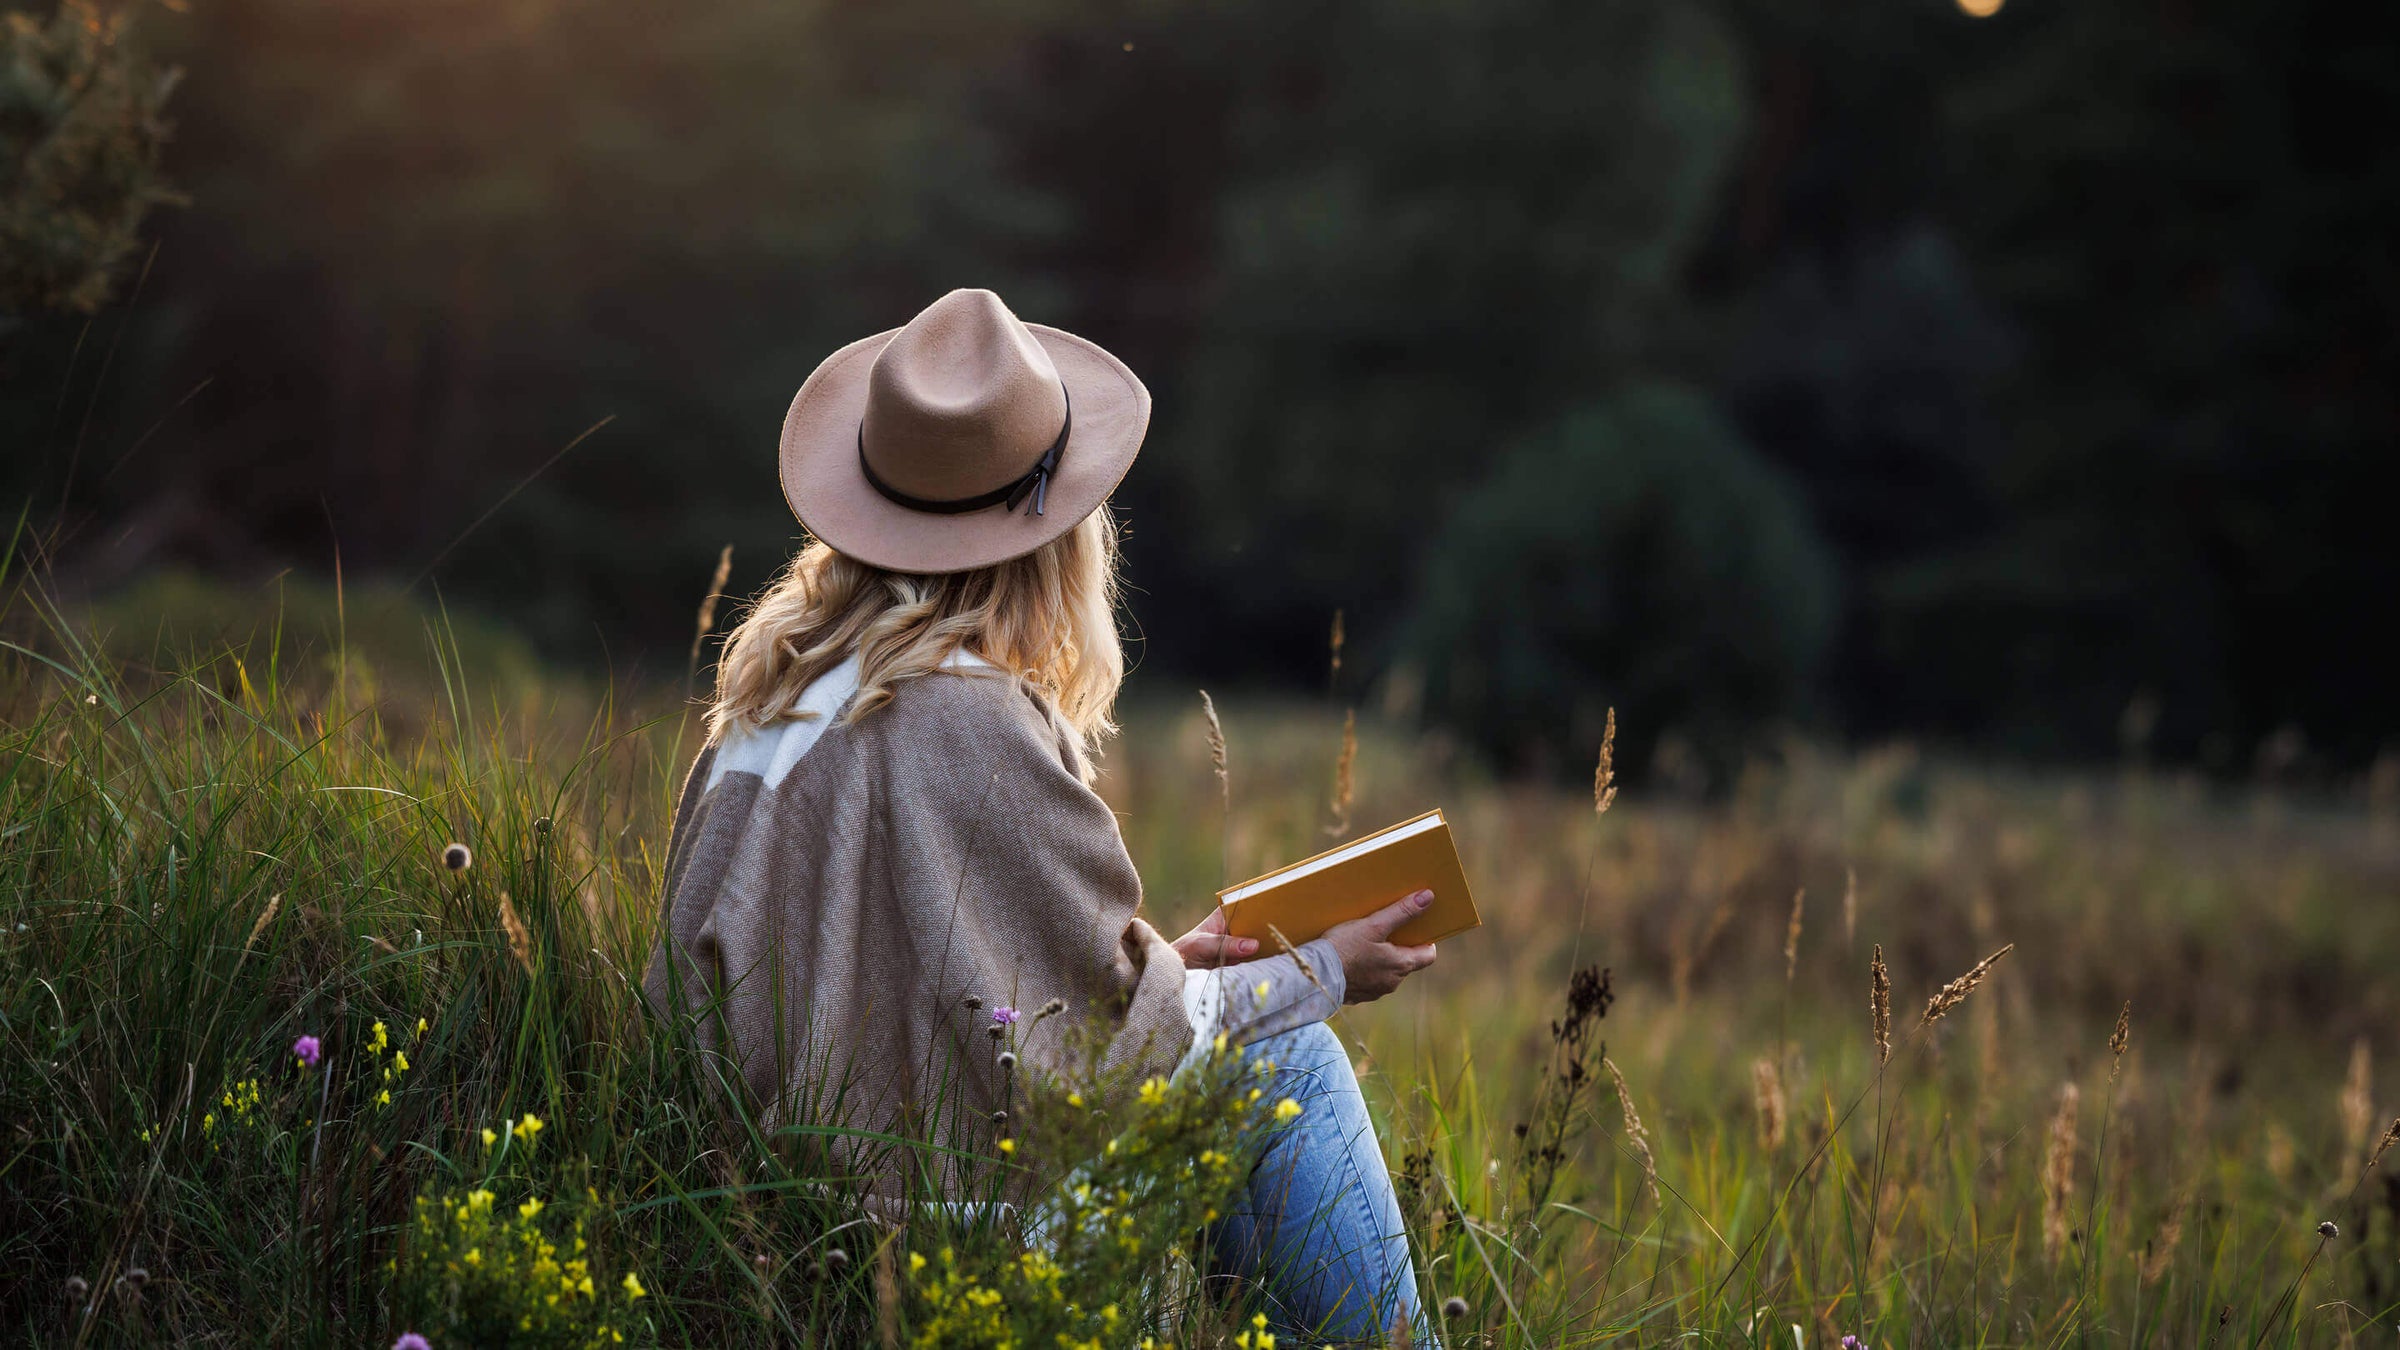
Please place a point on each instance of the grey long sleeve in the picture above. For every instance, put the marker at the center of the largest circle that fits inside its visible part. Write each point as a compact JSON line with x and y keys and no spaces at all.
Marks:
{"x":1257,"y":999}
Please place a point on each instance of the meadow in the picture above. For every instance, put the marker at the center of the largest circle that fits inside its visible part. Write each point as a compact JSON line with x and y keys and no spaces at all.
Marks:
{"x":319,"y":1025}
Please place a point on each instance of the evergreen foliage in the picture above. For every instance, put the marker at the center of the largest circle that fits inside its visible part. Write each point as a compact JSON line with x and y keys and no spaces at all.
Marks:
{"x":81,"y":129}
{"x":1635,"y":554}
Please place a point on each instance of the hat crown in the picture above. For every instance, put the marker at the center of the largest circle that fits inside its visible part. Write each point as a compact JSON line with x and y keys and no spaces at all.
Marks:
{"x":961,"y":401}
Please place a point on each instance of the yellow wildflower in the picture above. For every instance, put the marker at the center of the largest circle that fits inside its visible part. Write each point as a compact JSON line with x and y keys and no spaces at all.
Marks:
{"x":530,"y":1208}
{"x":420,"y":1026}
{"x":527,"y":1128}
{"x":633,"y":1285}
{"x":1075,"y":1099}
{"x":1008,"y":1146}
{"x":1261,"y":990}
{"x":1286,"y":1109}
{"x":379,"y":1040}
{"x":489,"y":1137}
{"x":400,"y":1060}
{"x":1154,"y":1091}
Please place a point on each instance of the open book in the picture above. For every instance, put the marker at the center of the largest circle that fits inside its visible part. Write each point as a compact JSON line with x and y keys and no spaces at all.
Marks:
{"x":1304,"y":899}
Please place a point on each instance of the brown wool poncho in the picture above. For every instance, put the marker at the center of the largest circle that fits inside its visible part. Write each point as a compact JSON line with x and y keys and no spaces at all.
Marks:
{"x":831,"y":905}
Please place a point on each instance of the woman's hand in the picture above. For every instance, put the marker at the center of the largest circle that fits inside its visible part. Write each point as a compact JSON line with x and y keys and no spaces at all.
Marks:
{"x":1372,"y":964}
{"x":1207,"y":947}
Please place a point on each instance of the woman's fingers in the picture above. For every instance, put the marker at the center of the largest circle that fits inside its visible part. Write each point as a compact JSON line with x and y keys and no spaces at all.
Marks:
{"x":1384,"y":922}
{"x":1206,"y":947}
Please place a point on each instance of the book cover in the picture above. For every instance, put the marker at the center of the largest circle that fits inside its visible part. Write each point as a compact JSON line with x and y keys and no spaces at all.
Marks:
{"x":1353,"y":880}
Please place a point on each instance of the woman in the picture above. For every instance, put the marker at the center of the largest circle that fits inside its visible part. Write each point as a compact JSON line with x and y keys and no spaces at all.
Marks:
{"x":891,"y":838}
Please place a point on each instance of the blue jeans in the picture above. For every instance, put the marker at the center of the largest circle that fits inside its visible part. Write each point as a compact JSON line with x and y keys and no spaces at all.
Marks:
{"x":1317,"y":1233}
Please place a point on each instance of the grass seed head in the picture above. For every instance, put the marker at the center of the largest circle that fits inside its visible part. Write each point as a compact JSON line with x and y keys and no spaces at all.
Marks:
{"x":2161,"y":1252}
{"x":706,"y":621}
{"x":887,"y":1298}
{"x":1604,"y":775}
{"x":1636,"y":1138}
{"x":2119,"y":1039}
{"x":1850,"y":908}
{"x":520,"y":938}
{"x":1216,"y":748}
{"x":1791,"y":935}
{"x":1954,"y":993}
{"x":1879,"y":1003}
{"x":1766,"y":1091}
{"x":2391,"y":1136}
{"x":2058,"y":1173}
{"x":2358,"y":1096}
{"x":265,"y":917}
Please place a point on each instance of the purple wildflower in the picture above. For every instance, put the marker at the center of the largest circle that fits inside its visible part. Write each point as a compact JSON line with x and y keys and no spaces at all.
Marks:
{"x":306,"y":1050}
{"x":1848,"y":1343}
{"x":1004,"y":1016}
{"x":410,"y":1340}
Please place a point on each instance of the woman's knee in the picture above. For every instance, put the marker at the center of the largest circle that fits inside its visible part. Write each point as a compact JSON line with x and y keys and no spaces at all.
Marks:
{"x":1306,"y":1046}
{"x":1309,"y":1060}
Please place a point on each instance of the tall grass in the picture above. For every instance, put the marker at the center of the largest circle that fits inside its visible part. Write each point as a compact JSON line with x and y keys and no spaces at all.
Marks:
{"x":204,"y":862}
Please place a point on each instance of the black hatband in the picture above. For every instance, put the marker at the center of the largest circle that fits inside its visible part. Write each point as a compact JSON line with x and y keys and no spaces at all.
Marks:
{"x":1035,"y":483}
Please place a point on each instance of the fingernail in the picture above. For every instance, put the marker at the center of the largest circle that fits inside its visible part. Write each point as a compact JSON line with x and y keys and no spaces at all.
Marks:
{"x":1423,"y":899}
{"x":1246,"y":946}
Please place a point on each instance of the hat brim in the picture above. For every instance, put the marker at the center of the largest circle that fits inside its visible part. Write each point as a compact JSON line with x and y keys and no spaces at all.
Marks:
{"x":835,"y":502}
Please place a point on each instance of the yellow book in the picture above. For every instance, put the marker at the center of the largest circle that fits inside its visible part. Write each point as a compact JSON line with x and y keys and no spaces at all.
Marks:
{"x":1354,"y":880}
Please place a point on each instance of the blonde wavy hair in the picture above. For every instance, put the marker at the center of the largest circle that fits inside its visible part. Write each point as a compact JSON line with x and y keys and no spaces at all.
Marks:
{"x":1048,"y":618}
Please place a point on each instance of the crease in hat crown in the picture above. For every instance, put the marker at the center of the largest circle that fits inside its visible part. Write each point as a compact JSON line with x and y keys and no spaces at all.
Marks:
{"x":961,"y":401}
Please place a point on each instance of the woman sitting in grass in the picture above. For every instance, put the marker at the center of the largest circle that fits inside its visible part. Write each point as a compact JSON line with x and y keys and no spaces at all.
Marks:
{"x":891,"y":845}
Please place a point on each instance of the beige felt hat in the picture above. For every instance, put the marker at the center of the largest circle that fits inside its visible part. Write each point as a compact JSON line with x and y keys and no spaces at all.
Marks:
{"x":964,"y":439}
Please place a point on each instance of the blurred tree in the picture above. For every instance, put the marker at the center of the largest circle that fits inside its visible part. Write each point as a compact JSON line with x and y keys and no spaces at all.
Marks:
{"x":1634,"y":554}
{"x":80,"y":132}
{"x":2076,"y":324}
{"x":440,"y":240}
{"x":2070,"y":328}
{"x":2189,"y":209}
{"x":1411,"y":232}
{"x":1866,"y":372}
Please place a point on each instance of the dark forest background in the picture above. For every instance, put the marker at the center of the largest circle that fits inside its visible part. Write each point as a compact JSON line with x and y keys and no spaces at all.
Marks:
{"x":1869,"y":367}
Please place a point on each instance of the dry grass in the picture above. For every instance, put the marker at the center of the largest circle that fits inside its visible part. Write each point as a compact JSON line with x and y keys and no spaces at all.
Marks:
{"x":2246,"y":925}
